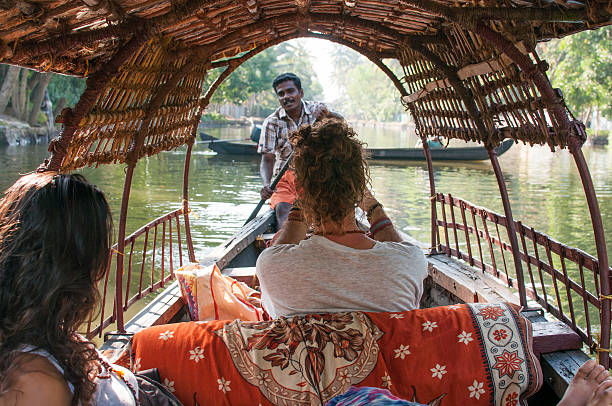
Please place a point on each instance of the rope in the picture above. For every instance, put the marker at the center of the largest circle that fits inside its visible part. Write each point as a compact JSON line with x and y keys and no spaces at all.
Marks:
{"x":49,"y":65}
{"x":601,"y":297}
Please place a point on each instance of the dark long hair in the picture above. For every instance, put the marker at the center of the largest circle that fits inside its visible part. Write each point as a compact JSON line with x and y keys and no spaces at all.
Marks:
{"x":331,"y":168}
{"x":55,"y":235}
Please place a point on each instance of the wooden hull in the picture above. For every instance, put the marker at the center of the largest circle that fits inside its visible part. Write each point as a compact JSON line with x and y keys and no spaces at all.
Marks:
{"x":449,"y":282}
{"x":408,"y":154}
{"x":440,"y":154}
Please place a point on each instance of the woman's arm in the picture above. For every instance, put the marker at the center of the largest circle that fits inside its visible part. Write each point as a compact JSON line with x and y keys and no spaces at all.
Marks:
{"x":293,"y":230}
{"x":381,"y":227}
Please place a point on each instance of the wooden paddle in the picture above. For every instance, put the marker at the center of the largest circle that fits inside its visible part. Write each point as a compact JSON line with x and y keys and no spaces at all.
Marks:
{"x":216,"y":141}
{"x":272,"y":186}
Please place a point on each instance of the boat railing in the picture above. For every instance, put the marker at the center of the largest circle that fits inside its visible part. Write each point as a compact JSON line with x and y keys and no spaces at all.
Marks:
{"x":565,"y":281}
{"x":151,"y":256}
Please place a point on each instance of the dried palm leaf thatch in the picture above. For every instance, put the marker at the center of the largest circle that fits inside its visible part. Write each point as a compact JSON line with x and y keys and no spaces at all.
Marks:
{"x":470,"y":67}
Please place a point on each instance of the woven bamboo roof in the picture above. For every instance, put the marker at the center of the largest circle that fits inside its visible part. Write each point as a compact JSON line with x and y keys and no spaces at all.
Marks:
{"x":79,"y":36}
{"x":470,"y":67}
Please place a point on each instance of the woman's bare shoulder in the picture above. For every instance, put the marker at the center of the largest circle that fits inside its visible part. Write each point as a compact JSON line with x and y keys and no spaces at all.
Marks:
{"x":36,"y":382}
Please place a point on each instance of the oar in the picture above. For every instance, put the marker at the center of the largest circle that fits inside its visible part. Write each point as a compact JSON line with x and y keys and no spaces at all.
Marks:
{"x":216,"y":141}
{"x":272,"y":186}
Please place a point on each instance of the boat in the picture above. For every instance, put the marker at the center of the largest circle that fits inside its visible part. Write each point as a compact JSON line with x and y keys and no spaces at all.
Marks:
{"x":450,"y":282}
{"x":412,"y":154}
{"x":468,"y":74}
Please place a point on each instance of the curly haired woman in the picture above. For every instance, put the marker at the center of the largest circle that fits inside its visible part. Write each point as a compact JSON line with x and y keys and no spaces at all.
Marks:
{"x":339,"y":268}
{"x":55,"y":235}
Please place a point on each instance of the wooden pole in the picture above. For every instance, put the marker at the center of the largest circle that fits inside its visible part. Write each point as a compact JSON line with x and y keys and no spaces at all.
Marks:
{"x":190,"y":250}
{"x":127,"y":186}
{"x":602,"y":255}
{"x":510,"y":226}
{"x":432,"y":197}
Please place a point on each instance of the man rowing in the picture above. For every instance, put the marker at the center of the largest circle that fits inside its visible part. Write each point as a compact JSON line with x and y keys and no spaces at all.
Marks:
{"x":274,"y":145}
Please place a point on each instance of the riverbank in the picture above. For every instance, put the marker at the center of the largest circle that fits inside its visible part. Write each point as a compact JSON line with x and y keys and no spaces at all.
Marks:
{"x":15,"y":133}
{"x":247,"y":121}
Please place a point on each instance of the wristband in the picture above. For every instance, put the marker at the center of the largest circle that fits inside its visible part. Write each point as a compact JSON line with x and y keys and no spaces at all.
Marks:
{"x":382,"y":227}
{"x":371,"y":209}
{"x":381,"y":223}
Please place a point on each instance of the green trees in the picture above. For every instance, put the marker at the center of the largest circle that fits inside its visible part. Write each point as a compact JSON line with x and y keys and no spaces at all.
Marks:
{"x":22,"y":92}
{"x":364,"y":91}
{"x":251,"y":83}
{"x":581,"y":66}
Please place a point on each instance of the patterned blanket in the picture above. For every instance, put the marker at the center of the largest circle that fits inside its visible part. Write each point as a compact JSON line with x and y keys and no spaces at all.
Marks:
{"x":476,"y":354}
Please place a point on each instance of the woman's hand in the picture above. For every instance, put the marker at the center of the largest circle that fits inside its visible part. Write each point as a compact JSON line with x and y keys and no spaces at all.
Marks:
{"x":367,"y":201}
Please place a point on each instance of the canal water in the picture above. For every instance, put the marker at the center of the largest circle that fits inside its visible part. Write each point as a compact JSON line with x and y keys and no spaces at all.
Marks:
{"x":544,"y":186}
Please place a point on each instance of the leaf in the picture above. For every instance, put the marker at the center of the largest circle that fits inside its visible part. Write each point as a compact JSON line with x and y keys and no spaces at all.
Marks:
{"x":314,"y":365}
{"x":278,"y":358}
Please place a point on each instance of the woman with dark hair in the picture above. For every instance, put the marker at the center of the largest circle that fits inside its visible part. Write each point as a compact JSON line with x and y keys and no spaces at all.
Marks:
{"x":339,"y":268}
{"x":55,"y":236}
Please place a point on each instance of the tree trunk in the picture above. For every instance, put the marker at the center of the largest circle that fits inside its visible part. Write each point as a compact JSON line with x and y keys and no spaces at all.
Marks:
{"x":585,"y":117}
{"x":47,"y":108}
{"x":19,"y":96}
{"x":37,"y":97}
{"x":57,"y":109}
{"x":11,"y":77}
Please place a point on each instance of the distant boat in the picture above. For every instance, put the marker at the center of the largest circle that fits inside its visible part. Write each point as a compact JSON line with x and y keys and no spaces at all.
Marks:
{"x":409,"y":154}
{"x":442,"y":154}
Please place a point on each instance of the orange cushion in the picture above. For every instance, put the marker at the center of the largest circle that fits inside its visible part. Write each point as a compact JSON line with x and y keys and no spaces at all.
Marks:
{"x":476,"y":354}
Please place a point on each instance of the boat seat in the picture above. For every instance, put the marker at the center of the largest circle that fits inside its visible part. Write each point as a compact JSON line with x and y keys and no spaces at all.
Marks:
{"x":476,"y":354}
{"x":242,"y":274}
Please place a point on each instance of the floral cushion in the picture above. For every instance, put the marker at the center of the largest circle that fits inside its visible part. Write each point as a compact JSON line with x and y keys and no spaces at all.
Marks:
{"x":476,"y":354}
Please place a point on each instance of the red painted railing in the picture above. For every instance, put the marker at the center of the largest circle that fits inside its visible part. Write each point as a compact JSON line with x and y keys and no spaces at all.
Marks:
{"x":152,"y":254}
{"x":563,"y":280}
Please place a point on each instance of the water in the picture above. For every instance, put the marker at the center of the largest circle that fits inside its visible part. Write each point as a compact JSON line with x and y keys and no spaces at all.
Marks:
{"x":544,"y":187}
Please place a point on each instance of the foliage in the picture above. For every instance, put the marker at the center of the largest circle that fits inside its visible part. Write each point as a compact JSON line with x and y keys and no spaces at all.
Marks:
{"x":212,"y":116}
{"x":581,"y":66}
{"x":69,"y":87}
{"x":253,"y":76}
{"x":251,"y":83}
{"x":294,"y":57}
{"x":365,"y":92}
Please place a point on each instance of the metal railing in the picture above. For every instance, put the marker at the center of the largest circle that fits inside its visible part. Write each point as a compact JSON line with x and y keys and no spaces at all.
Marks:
{"x":565,"y":281}
{"x":151,"y":256}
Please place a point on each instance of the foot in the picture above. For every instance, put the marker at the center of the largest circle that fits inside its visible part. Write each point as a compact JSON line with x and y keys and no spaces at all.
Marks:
{"x":602,"y":395}
{"x":585,"y":384}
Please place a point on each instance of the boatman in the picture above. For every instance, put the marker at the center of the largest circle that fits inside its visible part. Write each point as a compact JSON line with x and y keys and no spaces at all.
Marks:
{"x":274,"y":145}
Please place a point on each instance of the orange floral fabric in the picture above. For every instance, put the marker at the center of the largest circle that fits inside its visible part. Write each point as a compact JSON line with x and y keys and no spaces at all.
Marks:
{"x":476,"y":354}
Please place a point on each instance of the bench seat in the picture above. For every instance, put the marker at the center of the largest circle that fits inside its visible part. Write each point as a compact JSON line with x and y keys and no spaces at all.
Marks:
{"x":476,"y":354}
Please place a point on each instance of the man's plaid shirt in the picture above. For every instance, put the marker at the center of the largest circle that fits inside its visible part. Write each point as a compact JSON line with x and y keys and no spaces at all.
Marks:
{"x":275,"y":132}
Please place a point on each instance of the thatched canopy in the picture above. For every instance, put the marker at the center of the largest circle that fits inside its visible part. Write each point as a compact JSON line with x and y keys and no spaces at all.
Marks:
{"x":471,"y":71}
